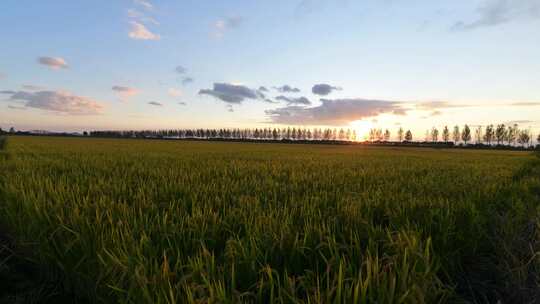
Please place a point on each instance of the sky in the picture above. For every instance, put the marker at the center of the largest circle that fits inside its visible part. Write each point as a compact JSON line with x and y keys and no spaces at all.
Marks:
{"x":153,"y":64}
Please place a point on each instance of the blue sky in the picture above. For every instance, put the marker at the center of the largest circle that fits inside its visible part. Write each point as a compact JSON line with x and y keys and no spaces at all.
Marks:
{"x":75,"y":65}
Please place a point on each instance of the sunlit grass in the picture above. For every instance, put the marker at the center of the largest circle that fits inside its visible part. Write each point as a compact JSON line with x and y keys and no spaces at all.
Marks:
{"x":174,"y":222}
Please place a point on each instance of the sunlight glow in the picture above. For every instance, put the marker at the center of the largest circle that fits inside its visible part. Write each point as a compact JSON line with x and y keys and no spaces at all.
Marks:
{"x":362,"y":129}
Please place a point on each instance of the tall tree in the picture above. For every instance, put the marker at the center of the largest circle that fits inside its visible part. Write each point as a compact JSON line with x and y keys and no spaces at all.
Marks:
{"x":434,"y":134}
{"x":466,"y":134}
{"x":489,"y":135}
{"x":478,"y":134}
{"x":500,"y":133}
{"x":445,"y":134}
{"x":386,"y":135}
{"x":400,"y":133}
{"x":524,"y":137}
{"x":408,"y":136}
{"x":456,"y":134}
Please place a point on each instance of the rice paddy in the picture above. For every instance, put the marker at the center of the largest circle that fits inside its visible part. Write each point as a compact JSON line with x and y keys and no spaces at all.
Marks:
{"x":151,"y":221}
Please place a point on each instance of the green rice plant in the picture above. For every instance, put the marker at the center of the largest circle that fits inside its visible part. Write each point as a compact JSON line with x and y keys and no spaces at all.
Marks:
{"x":135,"y":221}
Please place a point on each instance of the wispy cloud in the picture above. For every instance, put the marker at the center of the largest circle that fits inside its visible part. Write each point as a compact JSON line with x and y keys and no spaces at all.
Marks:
{"x":54,"y":63}
{"x":140,"y":32}
{"x":136,"y":15}
{"x":526,"y":104}
{"x":124,"y":93}
{"x":31,"y":87}
{"x":155,"y":103}
{"x":61,"y":102}
{"x":294,"y":101}
{"x":180,"y":69}
{"x":287,"y":89}
{"x":187,"y":80}
{"x":144,"y":3}
{"x":496,"y":12}
{"x":225,"y":24}
{"x":332,"y":112}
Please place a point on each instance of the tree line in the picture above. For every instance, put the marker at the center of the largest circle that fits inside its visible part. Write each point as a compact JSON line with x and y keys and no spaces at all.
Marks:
{"x":490,"y":135}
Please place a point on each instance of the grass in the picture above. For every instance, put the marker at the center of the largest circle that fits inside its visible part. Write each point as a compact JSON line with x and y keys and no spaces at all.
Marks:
{"x":134,"y":221}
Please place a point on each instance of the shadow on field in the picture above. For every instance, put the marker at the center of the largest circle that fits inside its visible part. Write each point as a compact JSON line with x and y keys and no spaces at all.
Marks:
{"x":22,"y":281}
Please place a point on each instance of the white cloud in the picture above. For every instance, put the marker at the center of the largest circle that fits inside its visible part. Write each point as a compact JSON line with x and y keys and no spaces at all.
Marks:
{"x":57,"y":101}
{"x":140,"y":32}
{"x":144,"y":3}
{"x":53,"y":62}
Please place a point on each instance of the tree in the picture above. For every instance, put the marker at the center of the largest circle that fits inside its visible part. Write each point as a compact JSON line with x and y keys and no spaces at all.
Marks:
{"x":408,"y":136}
{"x":434,"y":135}
{"x":490,"y":134}
{"x":386,"y":135}
{"x":466,"y":134}
{"x":524,"y":137}
{"x":478,"y":135}
{"x":400,"y":134}
{"x":500,"y":133}
{"x":456,"y":134}
{"x":445,"y":134}
{"x":538,"y":140}
{"x":12,"y":130}
{"x":511,"y":134}
{"x":372,"y":134}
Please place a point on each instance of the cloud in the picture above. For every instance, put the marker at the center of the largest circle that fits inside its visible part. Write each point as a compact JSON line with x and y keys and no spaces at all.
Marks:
{"x":134,"y":14}
{"x":225,"y":24}
{"x":140,"y":32}
{"x":263,"y":89}
{"x":182,"y":103}
{"x":496,"y":12}
{"x":155,"y":103}
{"x":180,"y":69}
{"x":187,"y":80}
{"x":287,"y":89}
{"x":294,"y":101}
{"x":31,"y":87}
{"x":526,"y":104}
{"x":53,"y":62}
{"x":8,"y":92}
{"x":58,"y":101}
{"x":125,"y":92}
{"x":435,"y":113}
{"x":174,"y":92}
{"x":433,"y":105}
{"x":401,"y":112}
{"x":2,"y":76}
{"x":144,"y":3}
{"x":229,"y":108}
{"x":332,"y":112}
{"x":323,"y":89}
{"x":16,"y":107}
{"x":231,"y":93}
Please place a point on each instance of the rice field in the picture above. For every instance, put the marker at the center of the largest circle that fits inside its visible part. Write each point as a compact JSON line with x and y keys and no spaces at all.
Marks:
{"x":151,"y":221}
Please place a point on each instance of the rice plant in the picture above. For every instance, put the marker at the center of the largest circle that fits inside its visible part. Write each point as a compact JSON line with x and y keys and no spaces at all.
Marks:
{"x":135,"y":221}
